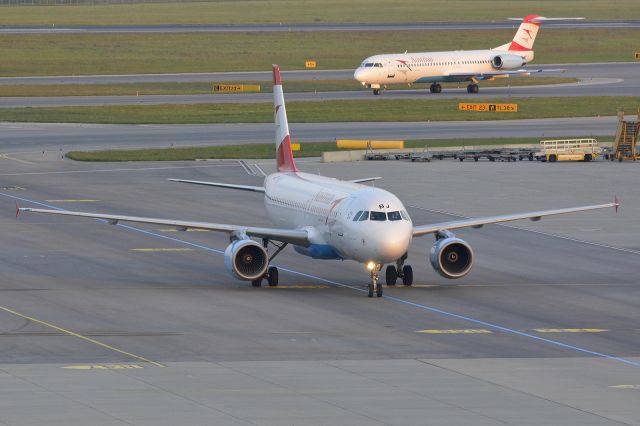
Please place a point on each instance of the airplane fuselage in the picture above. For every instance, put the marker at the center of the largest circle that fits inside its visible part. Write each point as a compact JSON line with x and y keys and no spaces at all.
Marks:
{"x":428,"y":67}
{"x":327,"y":207}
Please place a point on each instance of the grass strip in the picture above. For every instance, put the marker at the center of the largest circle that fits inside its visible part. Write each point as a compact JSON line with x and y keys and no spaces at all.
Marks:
{"x":266,"y":150}
{"x":202,"y":88}
{"x":381,"y":110}
{"x":136,"y":53}
{"x":308,"y":11}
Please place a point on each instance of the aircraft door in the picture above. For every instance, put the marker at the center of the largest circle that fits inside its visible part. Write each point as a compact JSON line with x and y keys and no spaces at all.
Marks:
{"x":390,"y":68}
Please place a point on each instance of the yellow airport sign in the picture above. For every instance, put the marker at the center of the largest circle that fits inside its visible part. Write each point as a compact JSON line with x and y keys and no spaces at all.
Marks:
{"x":310,"y":64}
{"x":488,"y":107}
{"x":232,"y":88}
{"x":295,"y":147}
{"x":370,"y":144}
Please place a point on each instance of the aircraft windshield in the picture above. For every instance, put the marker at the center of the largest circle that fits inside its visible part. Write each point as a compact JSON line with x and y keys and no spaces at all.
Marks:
{"x":394,"y":216}
{"x":380,"y":216}
{"x":368,"y":64}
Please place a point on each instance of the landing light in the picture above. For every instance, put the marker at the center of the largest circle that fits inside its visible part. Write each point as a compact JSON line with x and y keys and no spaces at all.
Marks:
{"x":371,"y":266}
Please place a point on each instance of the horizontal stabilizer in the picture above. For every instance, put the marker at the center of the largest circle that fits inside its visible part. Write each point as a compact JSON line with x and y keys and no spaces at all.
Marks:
{"x":363,"y":180}
{"x":222,"y":185}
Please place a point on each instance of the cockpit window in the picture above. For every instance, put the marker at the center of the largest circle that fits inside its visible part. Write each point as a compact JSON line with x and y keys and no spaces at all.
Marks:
{"x":368,"y":64}
{"x":394,"y":216}
{"x":377,"y":65}
{"x":364,"y":216}
{"x":380,"y":216}
{"x":404,"y":214}
{"x":357,"y":216}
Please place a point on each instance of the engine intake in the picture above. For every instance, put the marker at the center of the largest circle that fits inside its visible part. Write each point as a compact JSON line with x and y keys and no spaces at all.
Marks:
{"x":246,"y":259}
{"x":451,"y":257}
{"x":507,"y":62}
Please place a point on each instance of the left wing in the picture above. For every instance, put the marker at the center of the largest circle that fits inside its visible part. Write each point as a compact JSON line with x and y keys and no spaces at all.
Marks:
{"x":363,"y":180}
{"x":294,"y":236}
{"x":222,"y":185}
{"x":492,"y":74}
{"x":479,"y":222}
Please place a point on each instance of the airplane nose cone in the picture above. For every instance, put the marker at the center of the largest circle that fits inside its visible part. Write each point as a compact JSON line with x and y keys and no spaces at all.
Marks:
{"x":391,"y":246}
{"x":359,"y":74}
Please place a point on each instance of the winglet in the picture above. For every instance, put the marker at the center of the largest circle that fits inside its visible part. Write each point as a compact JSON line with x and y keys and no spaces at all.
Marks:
{"x":616,"y":203}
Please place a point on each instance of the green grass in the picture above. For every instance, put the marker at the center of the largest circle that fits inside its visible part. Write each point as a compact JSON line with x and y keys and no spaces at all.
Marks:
{"x":77,"y":54}
{"x":312,"y":11}
{"x":320,"y":112}
{"x":201,"y":88}
{"x":261,"y":151}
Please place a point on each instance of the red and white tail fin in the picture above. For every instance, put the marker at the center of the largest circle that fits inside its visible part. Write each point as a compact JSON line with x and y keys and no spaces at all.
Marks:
{"x":284,"y":155}
{"x":526,"y":34}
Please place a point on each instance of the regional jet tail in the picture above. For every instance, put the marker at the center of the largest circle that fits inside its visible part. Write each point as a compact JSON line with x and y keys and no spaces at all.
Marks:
{"x":326,"y":218}
{"x":474,"y":66}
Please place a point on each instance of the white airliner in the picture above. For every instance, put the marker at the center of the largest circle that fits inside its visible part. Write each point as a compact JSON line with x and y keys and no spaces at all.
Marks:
{"x":326,"y":218}
{"x":503,"y":61}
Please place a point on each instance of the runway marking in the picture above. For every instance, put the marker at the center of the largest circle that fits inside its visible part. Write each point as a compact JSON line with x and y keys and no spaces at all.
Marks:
{"x":462,"y":331}
{"x":103,"y":367}
{"x":570,"y":330}
{"x":288,"y":287}
{"x":187,"y":230}
{"x":72,"y":201}
{"x":635,"y":387}
{"x":80,"y":336}
{"x":260,"y":170}
{"x":386,"y":298}
{"x":7,"y":157}
{"x":162,"y":249}
{"x":12,"y":188}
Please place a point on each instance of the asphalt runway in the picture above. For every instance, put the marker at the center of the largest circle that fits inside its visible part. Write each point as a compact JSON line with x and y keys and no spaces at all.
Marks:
{"x":58,"y":138}
{"x":621,"y":79}
{"x":70,"y":29}
{"x":140,"y":325}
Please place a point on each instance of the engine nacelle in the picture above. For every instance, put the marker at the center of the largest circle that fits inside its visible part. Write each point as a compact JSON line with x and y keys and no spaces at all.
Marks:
{"x":451,"y":257}
{"x":246,"y":259}
{"x":507,"y":61}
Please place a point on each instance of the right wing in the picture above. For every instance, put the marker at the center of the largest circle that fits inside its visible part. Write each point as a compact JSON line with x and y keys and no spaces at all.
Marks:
{"x":222,"y":185}
{"x":363,"y":180}
{"x":294,"y":236}
{"x":479,"y":222}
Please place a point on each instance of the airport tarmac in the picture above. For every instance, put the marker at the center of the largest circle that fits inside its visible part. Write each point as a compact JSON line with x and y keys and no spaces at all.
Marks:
{"x":286,"y":27}
{"x":58,"y":138}
{"x":141,"y":325}
{"x":627,"y":71}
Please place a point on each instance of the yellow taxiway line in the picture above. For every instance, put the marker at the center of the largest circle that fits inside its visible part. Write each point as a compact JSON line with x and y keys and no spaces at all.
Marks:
{"x":80,"y":336}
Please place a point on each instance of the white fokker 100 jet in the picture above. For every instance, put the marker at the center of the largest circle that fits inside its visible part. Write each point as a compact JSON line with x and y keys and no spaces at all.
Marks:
{"x":456,"y":66}
{"x":326,"y":218}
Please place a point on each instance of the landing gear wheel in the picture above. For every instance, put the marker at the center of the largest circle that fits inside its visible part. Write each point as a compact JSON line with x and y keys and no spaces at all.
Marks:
{"x":391,"y":275}
{"x":257,"y":283}
{"x":473,"y":88}
{"x":379,"y":290}
{"x":407,"y":275}
{"x":370,"y":290}
{"x":435,"y":88}
{"x":376,"y":92}
{"x":272,"y":277}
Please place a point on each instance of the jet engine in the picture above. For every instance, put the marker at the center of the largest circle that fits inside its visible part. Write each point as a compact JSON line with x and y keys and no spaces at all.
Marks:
{"x":507,"y":62}
{"x":246,"y":260}
{"x":451,"y":257}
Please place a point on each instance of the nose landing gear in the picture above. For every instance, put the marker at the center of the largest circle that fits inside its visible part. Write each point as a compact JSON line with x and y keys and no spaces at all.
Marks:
{"x":374,"y":285}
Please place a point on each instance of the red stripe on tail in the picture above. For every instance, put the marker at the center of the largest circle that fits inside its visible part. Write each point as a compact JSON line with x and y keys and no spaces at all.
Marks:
{"x":285,"y":156}
{"x":276,"y":75}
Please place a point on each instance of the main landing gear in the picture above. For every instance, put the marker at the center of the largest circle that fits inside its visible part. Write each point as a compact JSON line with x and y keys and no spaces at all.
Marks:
{"x":435,"y":88}
{"x":402,"y":271}
{"x":376,"y":92}
{"x":473,"y":88}
{"x":272,"y":272}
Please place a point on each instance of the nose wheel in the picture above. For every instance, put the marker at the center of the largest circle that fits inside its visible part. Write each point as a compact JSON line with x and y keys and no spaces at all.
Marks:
{"x":374,"y":285}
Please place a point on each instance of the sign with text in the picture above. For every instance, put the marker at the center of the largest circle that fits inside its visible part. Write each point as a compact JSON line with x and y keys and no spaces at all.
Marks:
{"x":488,"y":107}
{"x":310,"y":64}
{"x":230,"y":88}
